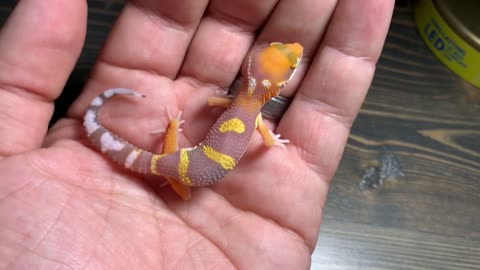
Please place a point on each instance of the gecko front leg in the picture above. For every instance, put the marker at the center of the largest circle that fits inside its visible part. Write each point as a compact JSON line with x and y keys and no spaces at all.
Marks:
{"x":269,"y":138}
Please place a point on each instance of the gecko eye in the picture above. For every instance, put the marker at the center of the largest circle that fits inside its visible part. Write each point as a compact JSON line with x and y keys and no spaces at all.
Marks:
{"x":281,"y":84}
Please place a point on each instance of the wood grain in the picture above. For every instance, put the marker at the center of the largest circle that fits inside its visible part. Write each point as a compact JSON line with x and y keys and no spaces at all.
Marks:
{"x":429,"y":120}
{"x":357,"y":246}
{"x":407,"y":193}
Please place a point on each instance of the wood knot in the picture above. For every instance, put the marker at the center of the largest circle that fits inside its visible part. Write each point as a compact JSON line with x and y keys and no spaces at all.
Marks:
{"x":375,"y":175}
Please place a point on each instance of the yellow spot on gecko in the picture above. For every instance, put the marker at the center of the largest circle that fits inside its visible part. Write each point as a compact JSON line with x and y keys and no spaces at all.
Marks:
{"x":183,"y":167}
{"x":153,"y":163}
{"x":234,"y":124}
{"x":226,"y":161}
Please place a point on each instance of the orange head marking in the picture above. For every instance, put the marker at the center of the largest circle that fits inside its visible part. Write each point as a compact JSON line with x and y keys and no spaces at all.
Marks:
{"x":272,"y":67}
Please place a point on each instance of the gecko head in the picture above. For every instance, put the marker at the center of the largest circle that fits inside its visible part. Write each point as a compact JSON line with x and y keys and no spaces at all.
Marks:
{"x":271,"y":68}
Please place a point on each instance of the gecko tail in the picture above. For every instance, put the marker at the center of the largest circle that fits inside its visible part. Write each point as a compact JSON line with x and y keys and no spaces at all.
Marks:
{"x":91,"y":121}
{"x":112,"y":145}
{"x":110,"y":93}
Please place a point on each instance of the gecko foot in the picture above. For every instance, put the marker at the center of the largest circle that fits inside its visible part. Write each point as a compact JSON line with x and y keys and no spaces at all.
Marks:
{"x":277,"y":141}
{"x":172,"y":121}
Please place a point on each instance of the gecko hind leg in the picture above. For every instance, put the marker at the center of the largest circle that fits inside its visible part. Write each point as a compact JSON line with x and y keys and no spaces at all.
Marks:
{"x":269,"y":138}
{"x":171,"y":145}
{"x":221,"y":101}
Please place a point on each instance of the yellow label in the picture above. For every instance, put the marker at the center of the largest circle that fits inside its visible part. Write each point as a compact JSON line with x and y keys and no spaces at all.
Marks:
{"x":445,"y":44}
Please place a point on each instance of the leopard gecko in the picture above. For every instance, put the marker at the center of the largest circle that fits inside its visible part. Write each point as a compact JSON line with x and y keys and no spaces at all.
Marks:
{"x":268,"y":70}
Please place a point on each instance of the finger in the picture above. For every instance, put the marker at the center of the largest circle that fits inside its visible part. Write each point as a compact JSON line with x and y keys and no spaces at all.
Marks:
{"x":153,"y":35}
{"x":223,"y":39}
{"x":39,"y":45}
{"x":301,"y":21}
{"x":319,"y":119}
{"x":149,"y":38}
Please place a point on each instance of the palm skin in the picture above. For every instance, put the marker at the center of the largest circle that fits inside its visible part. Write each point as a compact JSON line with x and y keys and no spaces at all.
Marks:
{"x":66,"y":206}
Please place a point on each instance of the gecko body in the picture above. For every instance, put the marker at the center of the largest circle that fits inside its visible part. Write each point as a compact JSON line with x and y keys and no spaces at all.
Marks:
{"x":268,"y":70}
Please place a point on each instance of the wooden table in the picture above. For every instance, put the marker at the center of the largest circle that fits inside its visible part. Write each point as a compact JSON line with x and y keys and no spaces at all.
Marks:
{"x":407,"y":193}
{"x":423,"y":122}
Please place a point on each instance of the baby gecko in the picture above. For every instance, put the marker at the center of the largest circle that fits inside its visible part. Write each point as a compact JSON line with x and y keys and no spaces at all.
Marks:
{"x":268,"y":70}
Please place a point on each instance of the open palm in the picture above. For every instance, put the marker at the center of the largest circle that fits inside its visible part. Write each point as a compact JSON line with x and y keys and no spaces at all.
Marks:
{"x":66,"y":206}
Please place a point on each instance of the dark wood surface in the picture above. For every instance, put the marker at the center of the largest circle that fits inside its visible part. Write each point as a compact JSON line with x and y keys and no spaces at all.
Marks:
{"x":407,"y":193}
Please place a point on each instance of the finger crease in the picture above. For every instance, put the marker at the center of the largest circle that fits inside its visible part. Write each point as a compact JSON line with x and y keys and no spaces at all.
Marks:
{"x":168,"y":20}
{"x":325,"y":108}
{"x":236,"y":24}
{"x":103,"y":61}
{"x":352,"y":53}
{"x":24,"y":92}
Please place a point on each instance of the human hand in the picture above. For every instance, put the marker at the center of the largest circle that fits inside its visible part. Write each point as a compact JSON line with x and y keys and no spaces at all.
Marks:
{"x":67,"y":206}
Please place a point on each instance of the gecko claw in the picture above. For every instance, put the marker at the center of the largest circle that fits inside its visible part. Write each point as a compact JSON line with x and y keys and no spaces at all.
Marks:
{"x":178,"y":118}
{"x":279,"y":142}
